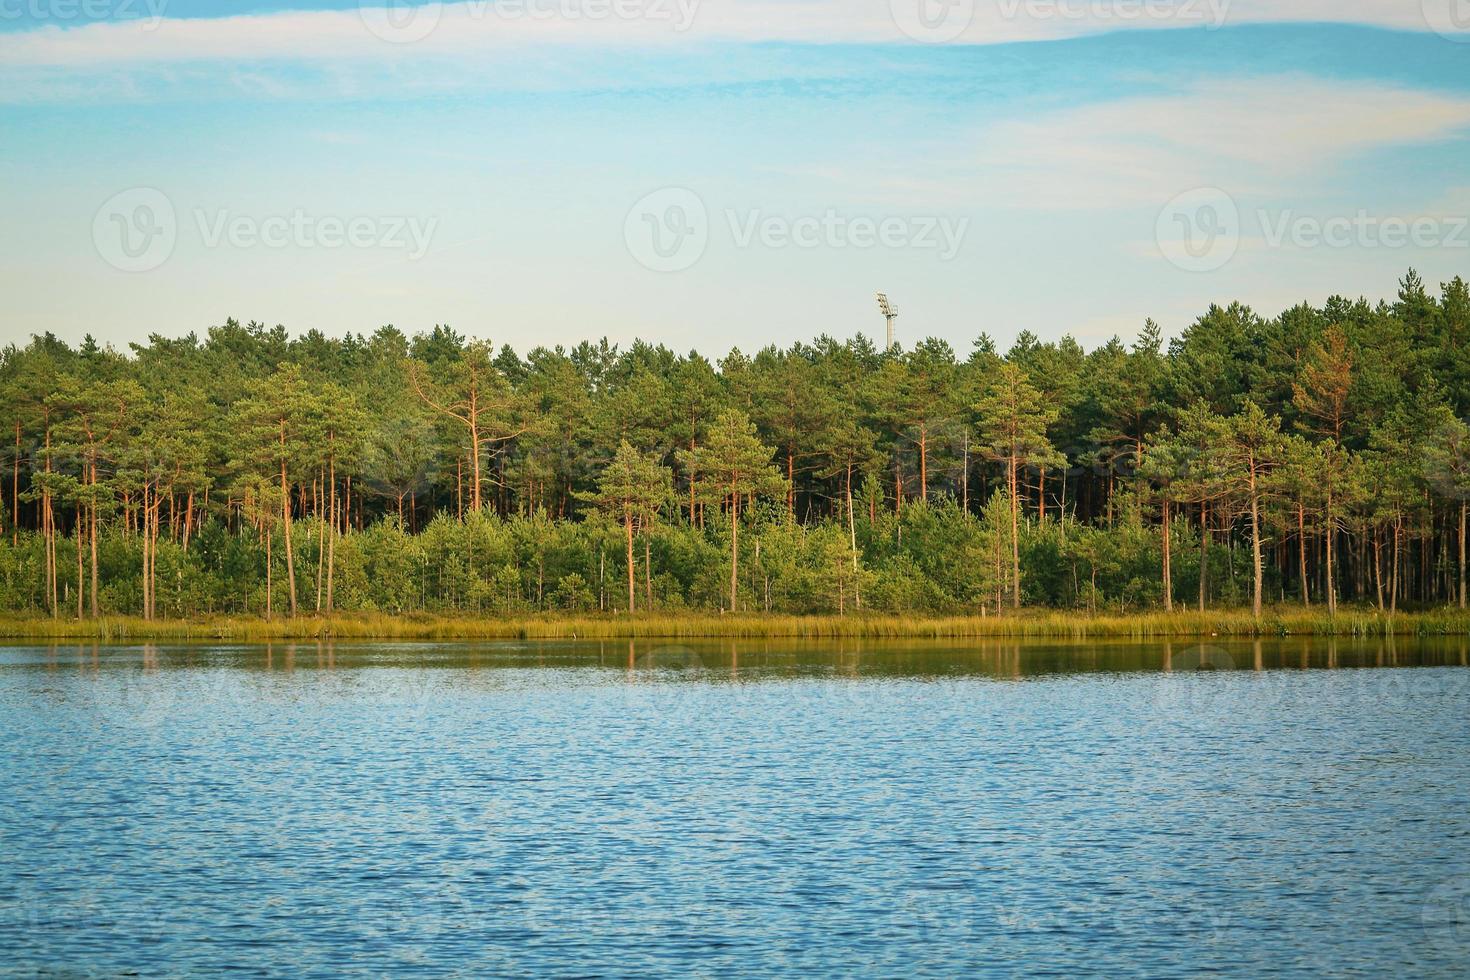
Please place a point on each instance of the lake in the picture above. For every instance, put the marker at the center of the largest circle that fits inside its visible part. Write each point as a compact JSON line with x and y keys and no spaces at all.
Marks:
{"x":751,"y":808}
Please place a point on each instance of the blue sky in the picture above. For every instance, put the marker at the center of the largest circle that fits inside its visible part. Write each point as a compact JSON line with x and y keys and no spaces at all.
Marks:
{"x":720,"y":173}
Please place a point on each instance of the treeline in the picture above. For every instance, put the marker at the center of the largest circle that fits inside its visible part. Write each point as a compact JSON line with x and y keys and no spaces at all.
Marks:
{"x":1317,"y":457}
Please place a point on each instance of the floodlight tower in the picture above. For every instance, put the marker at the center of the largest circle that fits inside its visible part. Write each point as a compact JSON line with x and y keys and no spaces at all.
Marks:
{"x":889,"y":314}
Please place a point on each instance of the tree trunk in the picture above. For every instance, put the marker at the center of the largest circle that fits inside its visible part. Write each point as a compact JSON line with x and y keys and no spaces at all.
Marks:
{"x":692,"y":505}
{"x":188,"y":518}
{"x":1168,"y":567}
{"x":924,"y":463}
{"x":628,"y":527}
{"x":1301,"y":534}
{"x":321,"y":543}
{"x":153,"y":558}
{"x":964,"y":476}
{"x":80,"y":590}
{"x":48,"y":520}
{"x":1463,"y":505}
{"x":1332,"y":581}
{"x":475,"y":461}
{"x":1393,"y":590}
{"x":734,"y":542}
{"x":791,"y":484}
{"x":1015,"y":535}
{"x":1257,"y":571}
{"x":647,"y":573}
{"x":1204,"y":550}
{"x":268,"y":584}
{"x":15,"y":490}
{"x":286,"y":527}
{"x":92,"y":509}
{"x":146,"y":605}
{"x":332,"y":543}
{"x":1378,"y":569}
{"x":852,"y":537}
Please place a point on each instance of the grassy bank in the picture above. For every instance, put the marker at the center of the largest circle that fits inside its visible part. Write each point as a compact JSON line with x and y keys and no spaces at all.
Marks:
{"x":1039,"y":624}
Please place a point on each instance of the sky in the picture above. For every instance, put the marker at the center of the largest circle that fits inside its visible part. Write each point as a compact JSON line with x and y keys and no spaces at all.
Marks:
{"x":711,"y":174}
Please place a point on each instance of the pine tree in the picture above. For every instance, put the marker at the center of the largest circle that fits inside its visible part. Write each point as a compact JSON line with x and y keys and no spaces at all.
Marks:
{"x":735,"y":464}
{"x":632,"y":489}
{"x":1321,"y":392}
{"x":274,"y":425}
{"x":1446,"y":454}
{"x":473,"y":393}
{"x":1013,"y":418}
{"x":1251,"y":445}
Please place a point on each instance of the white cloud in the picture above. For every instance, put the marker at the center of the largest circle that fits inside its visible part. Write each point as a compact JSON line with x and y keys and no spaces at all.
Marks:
{"x":477,"y":27}
{"x":1260,"y":139}
{"x":1251,"y":137}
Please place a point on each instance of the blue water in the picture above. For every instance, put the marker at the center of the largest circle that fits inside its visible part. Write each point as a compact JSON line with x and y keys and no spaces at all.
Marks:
{"x":735,"y":809}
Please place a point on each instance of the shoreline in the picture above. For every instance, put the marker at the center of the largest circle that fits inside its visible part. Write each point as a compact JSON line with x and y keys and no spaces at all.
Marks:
{"x":1284,"y":621}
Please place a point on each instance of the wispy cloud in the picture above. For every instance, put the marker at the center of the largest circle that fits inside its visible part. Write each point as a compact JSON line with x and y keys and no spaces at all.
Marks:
{"x":481,"y":26}
{"x":1258,"y":136}
{"x":1277,"y":136}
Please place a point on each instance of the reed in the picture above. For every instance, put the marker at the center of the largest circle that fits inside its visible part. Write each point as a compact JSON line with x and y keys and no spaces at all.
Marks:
{"x":1281,"y":621}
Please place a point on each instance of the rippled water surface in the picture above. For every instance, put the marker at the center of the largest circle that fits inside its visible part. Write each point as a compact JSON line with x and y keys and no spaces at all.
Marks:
{"x":719,"y":809}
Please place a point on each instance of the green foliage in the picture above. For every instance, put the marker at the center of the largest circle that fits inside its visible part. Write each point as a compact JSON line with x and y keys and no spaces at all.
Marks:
{"x":1317,"y":455}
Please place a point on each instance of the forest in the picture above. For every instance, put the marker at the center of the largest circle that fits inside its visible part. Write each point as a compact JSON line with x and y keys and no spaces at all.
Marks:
{"x":1315,"y":458}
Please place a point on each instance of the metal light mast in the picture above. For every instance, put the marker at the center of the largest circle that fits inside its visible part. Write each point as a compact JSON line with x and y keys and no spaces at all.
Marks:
{"x":889,"y":314}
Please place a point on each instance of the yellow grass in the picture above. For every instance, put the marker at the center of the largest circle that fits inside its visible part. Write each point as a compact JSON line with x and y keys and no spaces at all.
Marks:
{"x":1280,"y":621}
